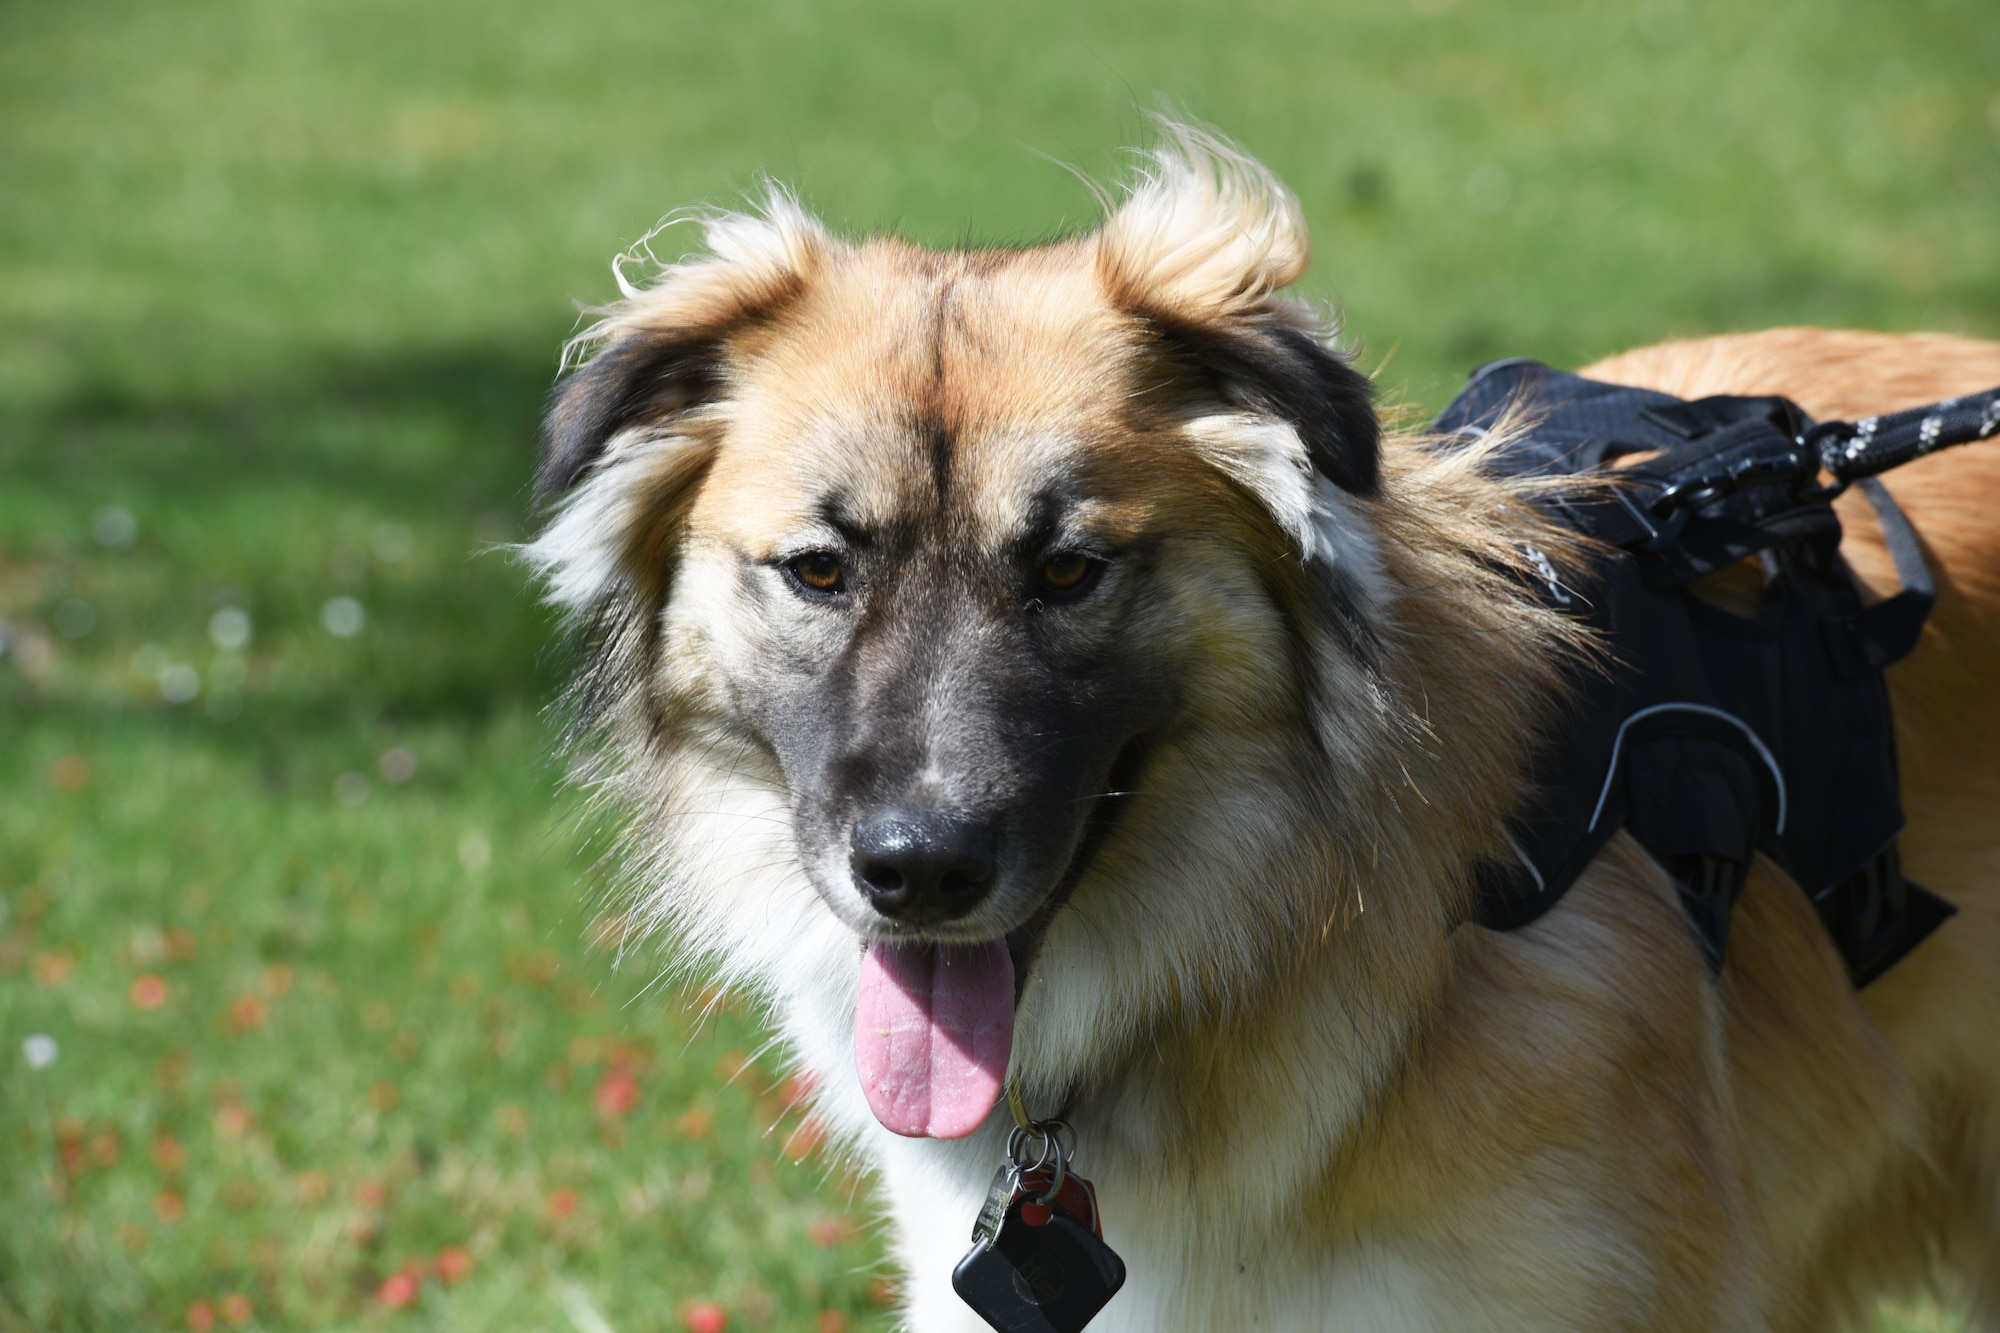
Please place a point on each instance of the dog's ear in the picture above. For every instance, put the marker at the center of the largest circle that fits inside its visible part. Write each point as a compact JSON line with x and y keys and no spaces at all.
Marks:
{"x":647,"y":375}
{"x":626,"y":441}
{"x":661,"y":348}
{"x":1197,"y":252}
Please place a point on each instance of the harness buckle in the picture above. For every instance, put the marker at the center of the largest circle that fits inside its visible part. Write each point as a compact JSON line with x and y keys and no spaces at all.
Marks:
{"x":1797,"y":463}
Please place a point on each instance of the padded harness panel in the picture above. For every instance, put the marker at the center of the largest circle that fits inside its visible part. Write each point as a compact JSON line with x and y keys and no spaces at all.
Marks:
{"x":1710,"y":736}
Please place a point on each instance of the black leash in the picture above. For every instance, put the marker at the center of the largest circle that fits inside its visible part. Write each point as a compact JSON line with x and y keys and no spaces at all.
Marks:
{"x":1851,"y":451}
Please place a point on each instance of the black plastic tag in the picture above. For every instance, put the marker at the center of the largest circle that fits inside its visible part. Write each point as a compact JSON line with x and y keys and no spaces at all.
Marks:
{"x":1048,"y":1278}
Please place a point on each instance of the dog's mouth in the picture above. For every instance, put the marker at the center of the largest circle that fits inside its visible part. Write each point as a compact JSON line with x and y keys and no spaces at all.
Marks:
{"x":934,"y":1022}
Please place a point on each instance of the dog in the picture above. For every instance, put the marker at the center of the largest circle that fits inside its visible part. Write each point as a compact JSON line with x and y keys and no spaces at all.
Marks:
{"x":1042,"y":665}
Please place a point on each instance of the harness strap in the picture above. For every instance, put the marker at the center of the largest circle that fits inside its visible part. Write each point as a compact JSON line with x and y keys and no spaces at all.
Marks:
{"x":1888,"y":631}
{"x":1876,"y":916}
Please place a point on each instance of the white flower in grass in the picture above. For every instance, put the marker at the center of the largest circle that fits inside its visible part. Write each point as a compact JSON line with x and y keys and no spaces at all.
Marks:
{"x":229,"y":629}
{"x":114,"y":526}
{"x":179,"y":682}
{"x":343,"y":617}
{"x":41,"y":1050}
{"x":397,"y":765}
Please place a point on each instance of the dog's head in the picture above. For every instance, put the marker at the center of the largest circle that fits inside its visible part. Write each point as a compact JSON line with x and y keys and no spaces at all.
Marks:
{"x":977,"y":591}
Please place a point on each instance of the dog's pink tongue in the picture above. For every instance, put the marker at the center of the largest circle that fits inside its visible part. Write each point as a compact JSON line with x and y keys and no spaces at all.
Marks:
{"x":932,"y":1031}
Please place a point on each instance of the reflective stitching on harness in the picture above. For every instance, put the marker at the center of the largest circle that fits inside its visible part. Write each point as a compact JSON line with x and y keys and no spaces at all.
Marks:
{"x":1618,"y":746}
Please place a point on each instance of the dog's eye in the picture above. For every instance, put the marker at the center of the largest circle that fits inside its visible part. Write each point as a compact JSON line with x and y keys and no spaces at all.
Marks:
{"x":1066,"y":572}
{"x":820,"y":571}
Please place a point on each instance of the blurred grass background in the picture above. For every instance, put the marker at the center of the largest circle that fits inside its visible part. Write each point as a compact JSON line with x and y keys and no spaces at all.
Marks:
{"x":338,"y":1038}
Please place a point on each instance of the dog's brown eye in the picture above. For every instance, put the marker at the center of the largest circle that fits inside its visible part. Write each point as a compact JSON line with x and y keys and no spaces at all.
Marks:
{"x":1065,"y":571}
{"x":818,"y":570}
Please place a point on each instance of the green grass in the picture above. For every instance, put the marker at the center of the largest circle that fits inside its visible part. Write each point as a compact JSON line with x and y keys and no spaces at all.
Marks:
{"x":283,"y":281}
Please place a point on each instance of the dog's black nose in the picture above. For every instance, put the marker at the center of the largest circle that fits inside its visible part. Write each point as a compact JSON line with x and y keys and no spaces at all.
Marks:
{"x":922,"y":866}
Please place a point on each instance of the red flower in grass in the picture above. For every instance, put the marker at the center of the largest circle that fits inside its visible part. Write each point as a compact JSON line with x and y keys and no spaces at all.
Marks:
{"x":453,"y":1265}
{"x":167,"y":1206}
{"x":245,"y":1013}
{"x":399,"y":1289}
{"x":827,"y":1232}
{"x":233,"y":1120}
{"x":236,"y":1308}
{"x":201,"y":1317}
{"x":562,"y":1203}
{"x":168,"y":1154}
{"x":832,"y":1321}
{"x":617,"y":1091}
{"x":706,"y":1318}
{"x":148,"y":992}
{"x":69,"y":1143}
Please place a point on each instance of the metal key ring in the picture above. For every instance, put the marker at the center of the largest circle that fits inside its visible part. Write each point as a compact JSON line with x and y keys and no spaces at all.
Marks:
{"x":1017,"y":1144}
{"x":1048,"y":1197}
{"x":1060,"y":1127}
{"x":1051,"y":1146}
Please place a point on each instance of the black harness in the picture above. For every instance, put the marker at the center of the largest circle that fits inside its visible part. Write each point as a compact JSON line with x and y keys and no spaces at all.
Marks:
{"x":1709,"y":735}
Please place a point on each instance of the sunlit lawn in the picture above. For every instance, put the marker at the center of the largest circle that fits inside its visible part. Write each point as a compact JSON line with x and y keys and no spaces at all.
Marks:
{"x":342,"y":1033}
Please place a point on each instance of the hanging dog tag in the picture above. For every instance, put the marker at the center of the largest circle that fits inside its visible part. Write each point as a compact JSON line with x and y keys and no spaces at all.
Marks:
{"x":1038,"y":1262}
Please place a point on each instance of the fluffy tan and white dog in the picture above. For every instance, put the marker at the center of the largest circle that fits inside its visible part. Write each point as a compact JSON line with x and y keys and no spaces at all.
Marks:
{"x":1035,"y":662}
